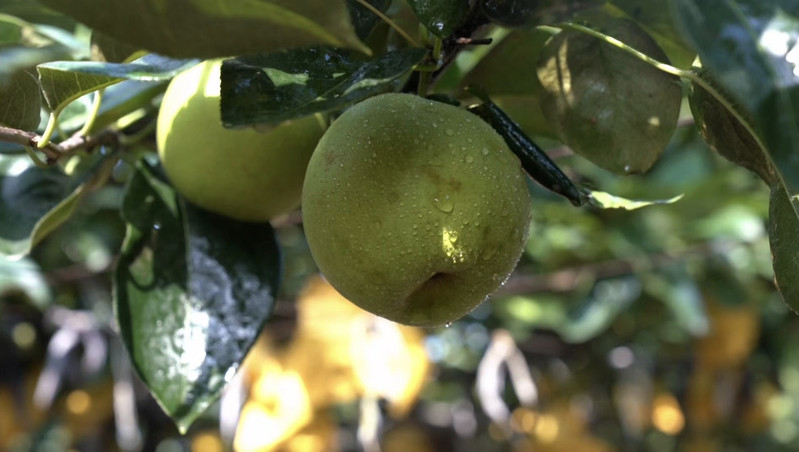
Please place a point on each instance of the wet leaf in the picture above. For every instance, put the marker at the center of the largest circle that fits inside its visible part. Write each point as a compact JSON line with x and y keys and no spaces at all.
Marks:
{"x":209,"y":28}
{"x":273,"y":88}
{"x":441,"y":17}
{"x":192,"y":292}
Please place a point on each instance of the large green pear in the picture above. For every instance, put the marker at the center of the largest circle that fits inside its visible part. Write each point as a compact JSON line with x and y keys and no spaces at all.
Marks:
{"x":245,"y":173}
{"x":414,"y":210}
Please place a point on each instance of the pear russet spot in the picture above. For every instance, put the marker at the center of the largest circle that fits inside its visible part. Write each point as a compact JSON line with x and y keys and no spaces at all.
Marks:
{"x":414,"y":210}
{"x":241,"y":173}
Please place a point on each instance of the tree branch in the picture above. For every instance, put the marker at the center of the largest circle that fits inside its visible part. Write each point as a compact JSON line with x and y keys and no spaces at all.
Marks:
{"x":55,"y":151}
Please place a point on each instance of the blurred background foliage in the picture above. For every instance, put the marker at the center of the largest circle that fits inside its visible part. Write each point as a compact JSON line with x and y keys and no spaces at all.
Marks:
{"x":658,"y":329}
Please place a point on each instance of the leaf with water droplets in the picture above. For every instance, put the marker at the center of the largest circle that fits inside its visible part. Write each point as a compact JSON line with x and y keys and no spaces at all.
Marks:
{"x":268,"y":89}
{"x":441,"y":17}
{"x":191,"y":293}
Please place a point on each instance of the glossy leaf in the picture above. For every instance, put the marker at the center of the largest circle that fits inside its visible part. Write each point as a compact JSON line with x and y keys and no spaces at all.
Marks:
{"x":33,"y":202}
{"x":64,"y":81}
{"x":209,"y":28}
{"x":192,"y":291}
{"x":605,"y":104}
{"x":276,"y":87}
{"x":441,"y":17}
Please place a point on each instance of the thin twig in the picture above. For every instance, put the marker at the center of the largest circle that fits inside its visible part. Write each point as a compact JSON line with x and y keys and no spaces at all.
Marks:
{"x":54,"y":151}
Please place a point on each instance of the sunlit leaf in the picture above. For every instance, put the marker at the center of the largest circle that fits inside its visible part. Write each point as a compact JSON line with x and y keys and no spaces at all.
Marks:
{"x":192,"y":291}
{"x":441,"y":17}
{"x":276,"y":87}
{"x":605,"y":200}
{"x":606,"y":105}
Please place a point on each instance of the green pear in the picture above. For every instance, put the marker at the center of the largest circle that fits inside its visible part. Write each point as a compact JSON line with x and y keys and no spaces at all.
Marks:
{"x":246,"y":174}
{"x":414,"y":210}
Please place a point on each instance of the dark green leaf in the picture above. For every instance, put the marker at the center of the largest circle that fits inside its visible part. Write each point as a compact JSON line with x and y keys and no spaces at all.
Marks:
{"x":364,"y":20}
{"x":515,"y":13}
{"x":724,"y":133}
{"x":608,"y":106}
{"x":106,"y":49}
{"x":192,"y":291}
{"x":276,"y":87}
{"x":751,"y":47}
{"x":783,"y":229}
{"x":23,"y":101}
{"x":209,"y":28}
{"x":441,"y":17}
{"x":33,"y":202}
{"x":657,"y":19}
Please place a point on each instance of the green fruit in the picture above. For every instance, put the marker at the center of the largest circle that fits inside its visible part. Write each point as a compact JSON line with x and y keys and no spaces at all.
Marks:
{"x":606,"y":105}
{"x":414,"y":210}
{"x":245,"y":174}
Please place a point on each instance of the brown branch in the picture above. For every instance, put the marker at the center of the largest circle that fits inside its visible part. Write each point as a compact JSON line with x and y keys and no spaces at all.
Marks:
{"x":55,"y":151}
